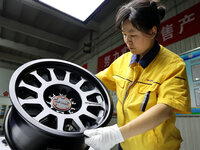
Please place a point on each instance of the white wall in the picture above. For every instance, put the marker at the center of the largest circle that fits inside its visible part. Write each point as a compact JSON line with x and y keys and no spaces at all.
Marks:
{"x":189,"y":127}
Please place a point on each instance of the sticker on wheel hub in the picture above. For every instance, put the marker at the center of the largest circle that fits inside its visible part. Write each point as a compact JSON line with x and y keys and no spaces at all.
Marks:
{"x":61,"y":103}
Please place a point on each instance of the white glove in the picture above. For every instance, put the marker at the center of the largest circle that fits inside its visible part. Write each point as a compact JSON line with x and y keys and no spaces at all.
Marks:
{"x":103,"y":138}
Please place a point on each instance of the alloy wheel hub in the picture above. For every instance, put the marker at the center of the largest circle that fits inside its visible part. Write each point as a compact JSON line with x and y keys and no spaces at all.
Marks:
{"x":59,"y":98}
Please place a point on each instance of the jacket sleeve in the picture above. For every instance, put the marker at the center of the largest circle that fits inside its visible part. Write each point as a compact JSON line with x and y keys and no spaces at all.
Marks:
{"x":174,"y":91}
{"x":106,"y":76}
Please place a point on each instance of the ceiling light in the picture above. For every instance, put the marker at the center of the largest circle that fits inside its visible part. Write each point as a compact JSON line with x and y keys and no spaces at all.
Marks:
{"x":79,"y":9}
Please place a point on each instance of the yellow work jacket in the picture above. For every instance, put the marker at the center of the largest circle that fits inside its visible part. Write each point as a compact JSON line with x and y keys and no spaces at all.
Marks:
{"x":159,"y":77}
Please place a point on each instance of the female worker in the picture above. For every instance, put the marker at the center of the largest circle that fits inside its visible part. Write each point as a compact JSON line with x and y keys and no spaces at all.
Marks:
{"x":150,"y":82}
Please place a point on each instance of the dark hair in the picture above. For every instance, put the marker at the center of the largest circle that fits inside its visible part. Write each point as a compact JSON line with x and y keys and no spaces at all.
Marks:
{"x":143,"y":14}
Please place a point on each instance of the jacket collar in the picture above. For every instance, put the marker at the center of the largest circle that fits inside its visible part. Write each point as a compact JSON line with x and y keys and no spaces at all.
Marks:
{"x":147,"y":58}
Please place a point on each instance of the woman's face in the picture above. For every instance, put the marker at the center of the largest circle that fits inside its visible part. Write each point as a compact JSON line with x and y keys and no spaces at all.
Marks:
{"x":138,"y":42}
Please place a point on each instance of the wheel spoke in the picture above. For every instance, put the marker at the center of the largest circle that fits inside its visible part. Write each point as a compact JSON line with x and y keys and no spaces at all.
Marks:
{"x":28,"y":101}
{"x":52,"y":74}
{"x":94,"y":104}
{"x":79,"y":123}
{"x":38,"y":77}
{"x":91,"y":92}
{"x":60,"y":123}
{"x":80,"y":83}
{"x":67,"y":76}
{"x":30,"y":87}
{"x":41,"y":115}
{"x":91,"y":115}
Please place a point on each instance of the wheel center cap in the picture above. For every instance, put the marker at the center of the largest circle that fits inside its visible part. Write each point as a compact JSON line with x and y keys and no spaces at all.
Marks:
{"x":61,"y":103}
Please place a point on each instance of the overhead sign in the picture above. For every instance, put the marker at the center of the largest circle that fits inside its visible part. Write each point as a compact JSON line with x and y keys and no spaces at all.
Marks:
{"x":105,"y":60}
{"x":180,"y":26}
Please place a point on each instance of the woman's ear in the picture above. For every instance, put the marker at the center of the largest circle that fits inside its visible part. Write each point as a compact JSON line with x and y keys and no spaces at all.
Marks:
{"x":153,"y":32}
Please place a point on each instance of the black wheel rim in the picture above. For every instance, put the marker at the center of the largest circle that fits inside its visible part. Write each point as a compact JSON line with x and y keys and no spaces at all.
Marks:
{"x":60,"y":98}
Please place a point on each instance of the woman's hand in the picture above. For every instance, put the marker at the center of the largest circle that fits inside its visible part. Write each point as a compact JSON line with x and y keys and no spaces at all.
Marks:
{"x":103,"y":138}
